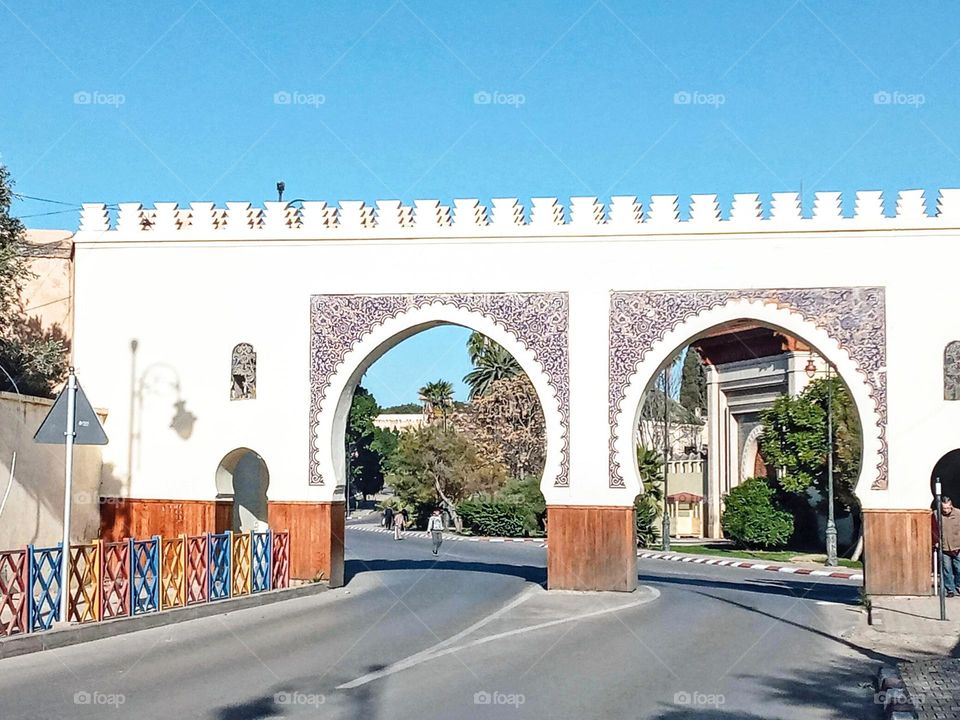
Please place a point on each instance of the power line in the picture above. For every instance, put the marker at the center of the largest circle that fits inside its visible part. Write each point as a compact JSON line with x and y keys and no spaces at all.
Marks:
{"x":46,"y":200}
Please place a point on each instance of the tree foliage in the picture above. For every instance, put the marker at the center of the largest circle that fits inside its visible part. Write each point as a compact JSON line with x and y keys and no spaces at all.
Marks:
{"x":795,"y":440}
{"x":437,"y":399}
{"x":648,"y":504}
{"x":365,"y":462}
{"x":34,"y":357}
{"x":693,"y":383}
{"x":491,"y":362}
{"x":751,"y":518}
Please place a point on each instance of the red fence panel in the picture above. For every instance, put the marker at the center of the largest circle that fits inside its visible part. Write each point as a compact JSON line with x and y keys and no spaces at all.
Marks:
{"x":114,"y":579}
{"x":14,"y":598}
{"x":197,"y":569}
{"x":280,"y":560}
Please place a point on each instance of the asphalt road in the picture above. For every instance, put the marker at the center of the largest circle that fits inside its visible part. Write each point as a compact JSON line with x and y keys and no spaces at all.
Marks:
{"x":470,"y":634}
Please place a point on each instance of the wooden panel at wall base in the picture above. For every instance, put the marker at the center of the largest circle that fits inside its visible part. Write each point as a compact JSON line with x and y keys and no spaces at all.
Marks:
{"x":141,"y":518}
{"x":316,"y":538}
{"x":591,"y":548}
{"x":897,"y":552}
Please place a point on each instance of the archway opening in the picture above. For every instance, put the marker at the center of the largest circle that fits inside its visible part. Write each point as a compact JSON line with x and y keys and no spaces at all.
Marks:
{"x":947,"y":470}
{"x":732,"y":443}
{"x":445,"y":418}
{"x":242,"y":477}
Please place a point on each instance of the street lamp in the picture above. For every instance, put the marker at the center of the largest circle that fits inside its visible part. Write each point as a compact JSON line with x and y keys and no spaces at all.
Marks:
{"x":811,"y":370}
{"x":665,"y":531}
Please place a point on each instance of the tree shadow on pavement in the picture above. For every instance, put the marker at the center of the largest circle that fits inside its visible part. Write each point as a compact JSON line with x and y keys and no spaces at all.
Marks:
{"x":809,"y":590}
{"x":530,"y":573}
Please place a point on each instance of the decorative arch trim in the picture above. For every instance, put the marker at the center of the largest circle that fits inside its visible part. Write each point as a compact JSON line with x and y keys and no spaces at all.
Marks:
{"x":348,"y":332}
{"x":846,"y":324}
{"x":951,"y":371}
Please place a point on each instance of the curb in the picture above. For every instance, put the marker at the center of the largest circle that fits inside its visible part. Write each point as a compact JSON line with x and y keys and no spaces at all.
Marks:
{"x":893,"y":694}
{"x":749,"y":564}
{"x":542,"y":542}
{"x":75,"y":634}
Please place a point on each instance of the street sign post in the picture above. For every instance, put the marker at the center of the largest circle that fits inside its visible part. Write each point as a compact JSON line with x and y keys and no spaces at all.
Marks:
{"x":71,"y":421}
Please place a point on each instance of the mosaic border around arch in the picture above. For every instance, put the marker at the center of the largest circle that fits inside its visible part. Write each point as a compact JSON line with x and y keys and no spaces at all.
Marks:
{"x":855,"y":317}
{"x":538,"y":320}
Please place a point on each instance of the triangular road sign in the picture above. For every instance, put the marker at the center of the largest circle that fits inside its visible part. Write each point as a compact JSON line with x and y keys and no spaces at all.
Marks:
{"x":89,"y":431}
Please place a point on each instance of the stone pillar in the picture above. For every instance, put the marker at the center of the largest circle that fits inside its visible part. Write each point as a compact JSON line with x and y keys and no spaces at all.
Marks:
{"x":591,"y":548}
{"x":897,"y":552}
{"x":316,"y":537}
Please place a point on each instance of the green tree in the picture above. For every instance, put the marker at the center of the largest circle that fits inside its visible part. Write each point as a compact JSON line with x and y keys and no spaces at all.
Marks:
{"x":34,"y":358}
{"x":751,"y":517}
{"x":648,"y":504}
{"x":437,"y":399}
{"x":365,"y":463}
{"x":491,"y":362}
{"x":434,"y":465}
{"x":795,"y":440}
{"x":693,"y":382}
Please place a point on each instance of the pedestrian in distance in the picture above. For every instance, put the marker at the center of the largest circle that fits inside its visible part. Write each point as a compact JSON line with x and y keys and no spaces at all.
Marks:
{"x":435,"y":526}
{"x":387,"y":521}
{"x":951,"y":545}
{"x":398,"y":525}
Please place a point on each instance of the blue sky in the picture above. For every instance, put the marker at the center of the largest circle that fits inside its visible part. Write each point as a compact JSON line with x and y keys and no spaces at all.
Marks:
{"x":182,"y":100}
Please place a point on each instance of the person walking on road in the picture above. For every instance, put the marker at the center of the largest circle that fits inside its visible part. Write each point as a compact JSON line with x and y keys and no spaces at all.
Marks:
{"x":435,"y":526}
{"x":398,"y":525}
{"x":388,"y":517}
{"x":951,"y":545}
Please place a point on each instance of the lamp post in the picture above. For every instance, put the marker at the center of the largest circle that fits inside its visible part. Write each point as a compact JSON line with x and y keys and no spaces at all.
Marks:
{"x":811,"y":370}
{"x":665,"y":531}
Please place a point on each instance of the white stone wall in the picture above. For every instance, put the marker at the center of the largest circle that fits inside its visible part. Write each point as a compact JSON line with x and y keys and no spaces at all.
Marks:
{"x":197,"y":281}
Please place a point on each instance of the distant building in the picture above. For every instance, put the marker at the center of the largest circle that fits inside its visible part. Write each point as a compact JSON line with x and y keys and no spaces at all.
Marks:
{"x":399,"y":421}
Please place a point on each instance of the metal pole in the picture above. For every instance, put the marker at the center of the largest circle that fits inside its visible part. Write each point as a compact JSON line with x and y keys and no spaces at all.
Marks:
{"x":831,"y":523}
{"x":943,"y":601}
{"x":69,"y":434}
{"x":665,"y":532}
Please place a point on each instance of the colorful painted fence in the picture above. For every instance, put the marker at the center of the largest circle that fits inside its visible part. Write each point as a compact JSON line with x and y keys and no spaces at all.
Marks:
{"x":131,"y":577}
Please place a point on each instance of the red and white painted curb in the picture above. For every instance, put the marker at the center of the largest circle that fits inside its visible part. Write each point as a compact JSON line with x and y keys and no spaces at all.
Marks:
{"x":748,"y":564}
{"x":540,"y":542}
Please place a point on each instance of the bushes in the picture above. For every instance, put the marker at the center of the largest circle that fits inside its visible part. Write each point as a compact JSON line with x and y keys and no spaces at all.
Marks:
{"x":647,"y":519}
{"x":751,"y":519}
{"x":494,"y":516}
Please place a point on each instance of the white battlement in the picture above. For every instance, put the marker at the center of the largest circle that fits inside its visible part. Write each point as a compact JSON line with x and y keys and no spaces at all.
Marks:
{"x":624,"y":215}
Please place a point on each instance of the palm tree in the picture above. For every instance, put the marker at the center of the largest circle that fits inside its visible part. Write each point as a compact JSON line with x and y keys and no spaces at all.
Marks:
{"x":437,"y":398}
{"x":491,"y":362}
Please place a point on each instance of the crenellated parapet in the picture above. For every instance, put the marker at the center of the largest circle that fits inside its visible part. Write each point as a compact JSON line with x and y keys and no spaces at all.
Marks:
{"x":623,"y":215}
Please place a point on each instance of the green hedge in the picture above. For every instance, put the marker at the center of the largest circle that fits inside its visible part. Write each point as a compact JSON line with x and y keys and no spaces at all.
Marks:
{"x":494,"y":517}
{"x":751,"y":518}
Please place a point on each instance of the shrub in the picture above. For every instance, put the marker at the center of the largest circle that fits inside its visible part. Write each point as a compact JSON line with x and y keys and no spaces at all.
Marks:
{"x":751,"y":519}
{"x":494,"y":516}
{"x":648,"y":521}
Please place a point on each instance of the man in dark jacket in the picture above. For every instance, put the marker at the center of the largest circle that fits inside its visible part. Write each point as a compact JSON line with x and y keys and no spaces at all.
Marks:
{"x":951,"y":545}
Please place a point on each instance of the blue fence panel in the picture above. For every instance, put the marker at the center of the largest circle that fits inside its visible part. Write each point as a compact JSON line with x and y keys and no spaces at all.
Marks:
{"x":145,"y":576}
{"x":260,"y":543}
{"x":219,"y":571}
{"x":44,"y":587}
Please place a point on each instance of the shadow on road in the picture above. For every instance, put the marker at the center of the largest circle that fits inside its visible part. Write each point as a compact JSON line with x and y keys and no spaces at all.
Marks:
{"x":530,"y":573}
{"x":812,"y":590}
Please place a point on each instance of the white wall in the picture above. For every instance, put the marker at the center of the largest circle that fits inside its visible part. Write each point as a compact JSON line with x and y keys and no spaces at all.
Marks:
{"x":189,"y":296}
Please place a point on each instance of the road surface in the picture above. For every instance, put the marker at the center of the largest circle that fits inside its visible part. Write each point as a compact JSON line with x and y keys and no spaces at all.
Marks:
{"x":471,"y":634}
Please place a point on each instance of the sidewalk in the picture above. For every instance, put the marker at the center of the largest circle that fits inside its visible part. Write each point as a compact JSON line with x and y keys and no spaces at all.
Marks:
{"x":793,"y":568}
